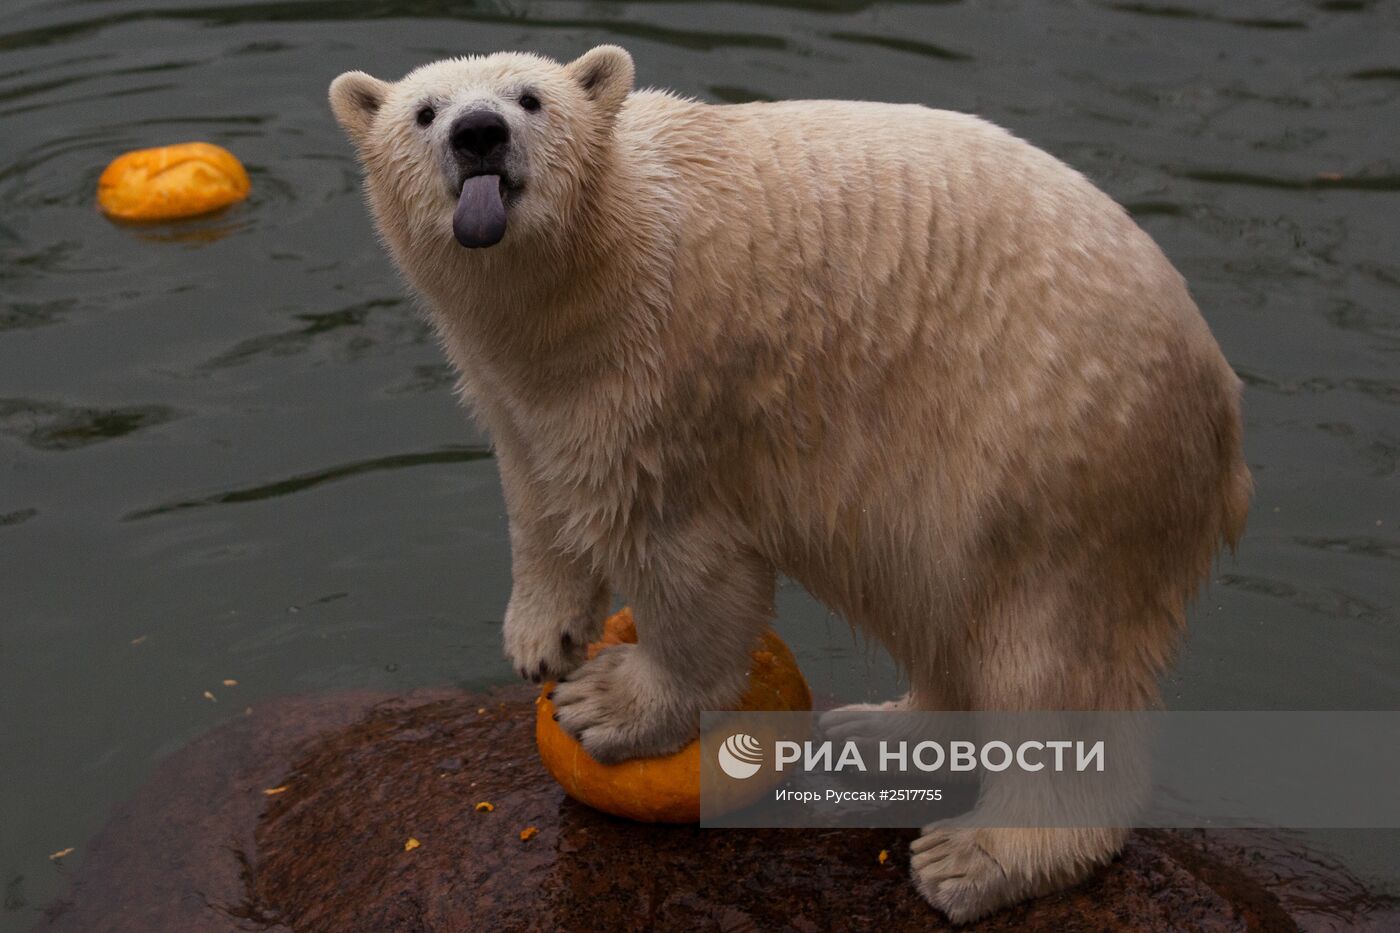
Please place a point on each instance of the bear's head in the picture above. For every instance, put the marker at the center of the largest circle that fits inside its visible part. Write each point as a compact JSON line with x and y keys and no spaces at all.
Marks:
{"x":471,"y":148}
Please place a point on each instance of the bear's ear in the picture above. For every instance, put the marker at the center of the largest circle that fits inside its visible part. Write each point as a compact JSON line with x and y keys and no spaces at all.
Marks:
{"x":355,"y":99}
{"x":605,"y":74}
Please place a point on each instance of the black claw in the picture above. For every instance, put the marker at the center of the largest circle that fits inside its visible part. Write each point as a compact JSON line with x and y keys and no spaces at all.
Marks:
{"x":556,"y":717}
{"x":567,"y":641}
{"x":543,"y":669}
{"x":549,"y":696}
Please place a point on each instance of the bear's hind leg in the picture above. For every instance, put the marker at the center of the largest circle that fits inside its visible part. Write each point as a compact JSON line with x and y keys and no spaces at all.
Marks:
{"x":970,"y":871}
{"x":868,"y":723}
{"x":1029,"y":656}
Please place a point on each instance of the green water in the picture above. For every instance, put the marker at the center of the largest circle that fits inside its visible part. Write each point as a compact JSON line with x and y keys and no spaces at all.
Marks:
{"x":229,"y":450}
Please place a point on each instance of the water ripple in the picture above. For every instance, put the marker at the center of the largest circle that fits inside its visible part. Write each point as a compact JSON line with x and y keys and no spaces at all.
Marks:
{"x":1378,"y":181}
{"x":17,"y":517}
{"x":368,"y":10}
{"x":1179,"y":12}
{"x":304,"y":481}
{"x":1364,"y":546}
{"x":1376,"y":74}
{"x":54,"y":426}
{"x":1329,"y":602}
{"x":315,"y":326}
{"x":912,"y":46}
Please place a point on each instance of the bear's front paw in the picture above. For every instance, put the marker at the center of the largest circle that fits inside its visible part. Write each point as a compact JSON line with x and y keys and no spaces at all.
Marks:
{"x":545,"y":650}
{"x":617,"y":709}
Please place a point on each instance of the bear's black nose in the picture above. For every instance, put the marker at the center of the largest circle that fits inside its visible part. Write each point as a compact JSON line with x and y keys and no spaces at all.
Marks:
{"x":479,"y":133}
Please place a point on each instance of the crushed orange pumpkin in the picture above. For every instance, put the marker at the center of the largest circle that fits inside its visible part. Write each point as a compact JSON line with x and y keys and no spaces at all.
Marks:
{"x":664,"y":789}
{"x":169,"y":182}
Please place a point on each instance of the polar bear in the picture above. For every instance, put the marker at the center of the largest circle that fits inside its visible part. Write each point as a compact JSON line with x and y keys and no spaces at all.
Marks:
{"x":915,"y":363}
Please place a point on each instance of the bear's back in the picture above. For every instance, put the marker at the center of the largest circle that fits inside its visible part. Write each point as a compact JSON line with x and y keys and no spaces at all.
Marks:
{"x":910,"y":274}
{"x":897,"y":211}
{"x":899,"y":155}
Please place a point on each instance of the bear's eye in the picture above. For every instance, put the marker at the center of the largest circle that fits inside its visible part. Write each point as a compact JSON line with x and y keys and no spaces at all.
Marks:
{"x":425,"y":115}
{"x":530,"y":102}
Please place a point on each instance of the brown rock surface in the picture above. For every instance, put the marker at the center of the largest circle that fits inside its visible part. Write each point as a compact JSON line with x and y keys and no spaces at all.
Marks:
{"x":201,"y":848}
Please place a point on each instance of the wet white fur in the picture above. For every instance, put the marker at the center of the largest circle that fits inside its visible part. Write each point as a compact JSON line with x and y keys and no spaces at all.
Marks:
{"x":917,"y":364}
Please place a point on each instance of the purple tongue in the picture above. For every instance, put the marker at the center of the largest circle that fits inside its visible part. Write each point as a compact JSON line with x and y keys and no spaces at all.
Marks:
{"x":480,"y":218}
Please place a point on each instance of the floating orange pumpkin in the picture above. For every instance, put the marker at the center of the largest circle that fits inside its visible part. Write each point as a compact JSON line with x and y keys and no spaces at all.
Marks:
{"x":171,"y":181}
{"x":664,"y":789}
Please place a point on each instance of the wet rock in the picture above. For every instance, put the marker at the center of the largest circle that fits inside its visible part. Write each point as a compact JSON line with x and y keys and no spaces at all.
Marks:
{"x":203,"y":848}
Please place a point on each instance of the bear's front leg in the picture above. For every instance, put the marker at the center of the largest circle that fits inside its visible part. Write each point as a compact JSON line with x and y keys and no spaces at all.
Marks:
{"x":699,"y":607}
{"x":556,"y":608}
{"x":557,"y":600}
